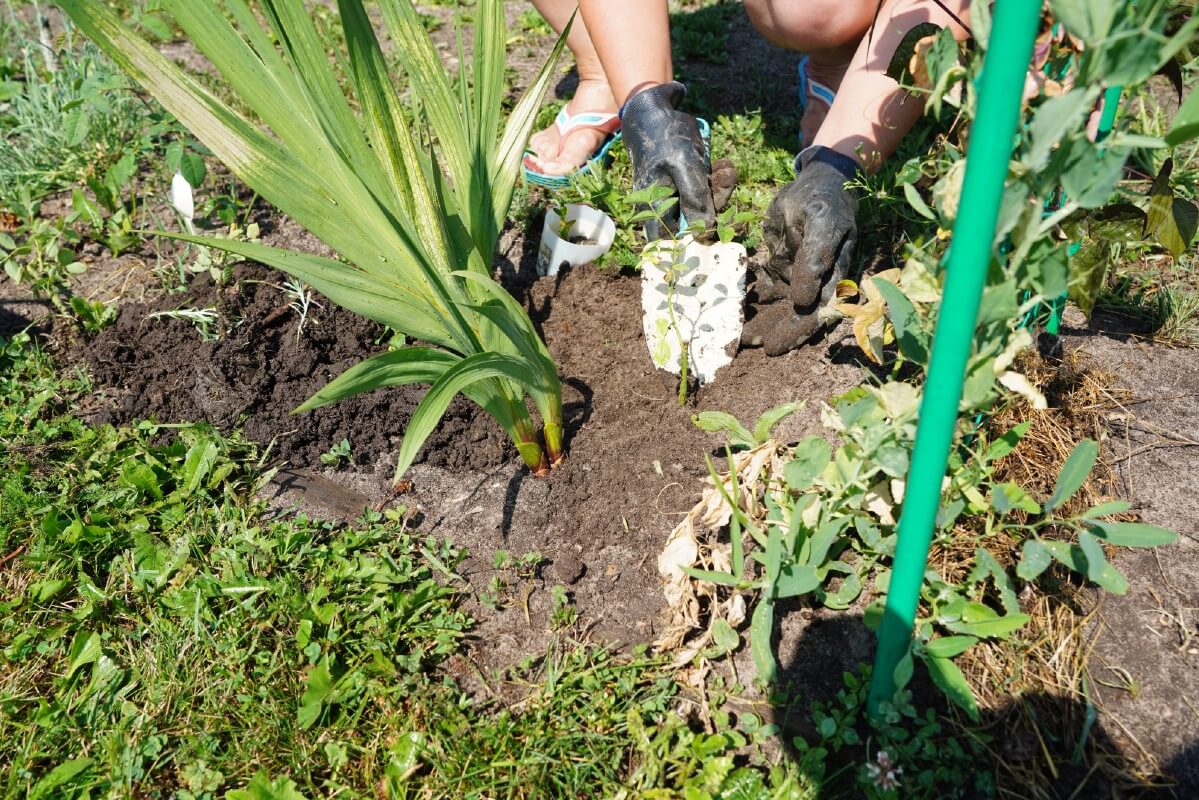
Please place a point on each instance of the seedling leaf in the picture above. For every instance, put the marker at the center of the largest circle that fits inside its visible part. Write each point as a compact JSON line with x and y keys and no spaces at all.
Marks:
{"x":950,"y":680}
{"x":1074,"y":473}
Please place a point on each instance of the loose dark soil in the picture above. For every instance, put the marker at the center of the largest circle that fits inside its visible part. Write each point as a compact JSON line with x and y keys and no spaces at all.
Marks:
{"x":261,"y":366}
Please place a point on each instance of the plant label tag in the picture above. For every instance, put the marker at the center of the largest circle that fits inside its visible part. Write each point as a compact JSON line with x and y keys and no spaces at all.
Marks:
{"x":693,"y":296}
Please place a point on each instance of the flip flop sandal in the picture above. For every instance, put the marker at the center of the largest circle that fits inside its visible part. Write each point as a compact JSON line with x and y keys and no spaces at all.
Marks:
{"x":567,"y":124}
{"x":810,"y":89}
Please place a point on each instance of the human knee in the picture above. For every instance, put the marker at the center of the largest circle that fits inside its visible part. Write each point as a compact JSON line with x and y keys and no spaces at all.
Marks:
{"x":809,"y":25}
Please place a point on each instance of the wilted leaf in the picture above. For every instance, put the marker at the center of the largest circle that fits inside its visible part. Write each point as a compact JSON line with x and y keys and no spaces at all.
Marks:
{"x":1019,"y":384}
{"x":1172,"y":221}
{"x":947,"y":192}
{"x":899,"y":66}
{"x":868,"y":321}
{"x":1121,"y":222}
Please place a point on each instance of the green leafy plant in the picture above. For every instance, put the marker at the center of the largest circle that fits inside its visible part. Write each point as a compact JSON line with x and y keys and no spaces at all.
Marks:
{"x":337,"y":454}
{"x":820,"y":519}
{"x":418,"y":242}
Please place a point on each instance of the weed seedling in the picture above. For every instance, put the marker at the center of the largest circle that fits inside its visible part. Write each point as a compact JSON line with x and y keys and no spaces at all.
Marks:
{"x":204,"y":319}
{"x":337,"y":454}
{"x":563,"y":613}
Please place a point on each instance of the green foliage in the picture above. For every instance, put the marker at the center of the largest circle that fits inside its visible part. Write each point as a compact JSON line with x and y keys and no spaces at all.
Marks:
{"x":68,"y":126}
{"x":418,"y":241}
{"x":825,"y":524}
{"x":909,"y":753}
{"x":337,"y":454}
{"x":702,"y":33}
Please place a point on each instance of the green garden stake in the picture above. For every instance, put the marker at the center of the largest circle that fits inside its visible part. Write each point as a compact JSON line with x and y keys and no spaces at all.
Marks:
{"x":1000,"y":88}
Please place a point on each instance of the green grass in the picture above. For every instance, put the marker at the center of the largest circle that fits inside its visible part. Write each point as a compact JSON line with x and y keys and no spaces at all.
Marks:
{"x":65,"y":126}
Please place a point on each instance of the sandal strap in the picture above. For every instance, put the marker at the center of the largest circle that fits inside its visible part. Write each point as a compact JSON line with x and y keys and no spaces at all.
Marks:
{"x":568,"y":123}
{"x":809,"y":87}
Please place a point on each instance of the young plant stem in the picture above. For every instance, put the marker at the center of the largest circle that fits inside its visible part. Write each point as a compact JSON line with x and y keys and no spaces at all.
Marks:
{"x":672,"y":278}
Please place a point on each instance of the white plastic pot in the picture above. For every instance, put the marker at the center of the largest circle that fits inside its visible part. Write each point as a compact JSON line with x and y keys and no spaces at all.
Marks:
{"x":707,"y":301}
{"x":584,"y":222}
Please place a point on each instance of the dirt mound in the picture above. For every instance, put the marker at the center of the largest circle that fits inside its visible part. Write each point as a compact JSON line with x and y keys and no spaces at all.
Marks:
{"x":262,"y":364}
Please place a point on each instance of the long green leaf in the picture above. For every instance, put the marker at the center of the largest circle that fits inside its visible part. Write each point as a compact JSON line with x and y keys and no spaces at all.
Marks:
{"x":389,"y":130}
{"x":473,"y":369}
{"x":950,"y":680}
{"x":1074,"y":473}
{"x":1133,"y":534}
{"x":395,"y":368}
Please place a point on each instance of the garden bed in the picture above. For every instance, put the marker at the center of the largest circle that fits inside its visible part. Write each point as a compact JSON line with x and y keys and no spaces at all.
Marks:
{"x":635,"y":460}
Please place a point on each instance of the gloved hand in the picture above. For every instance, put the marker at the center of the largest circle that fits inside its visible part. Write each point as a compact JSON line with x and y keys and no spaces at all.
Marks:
{"x":811,"y":231}
{"x":666,"y":149}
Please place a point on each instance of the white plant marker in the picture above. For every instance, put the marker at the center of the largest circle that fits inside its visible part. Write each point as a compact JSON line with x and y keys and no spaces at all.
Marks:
{"x":183,"y":200}
{"x":707,"y":299}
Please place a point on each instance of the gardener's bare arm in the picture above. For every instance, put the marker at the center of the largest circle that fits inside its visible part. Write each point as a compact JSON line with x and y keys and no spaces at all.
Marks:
{"x":632,"y":38}
{"x":871,"y":111}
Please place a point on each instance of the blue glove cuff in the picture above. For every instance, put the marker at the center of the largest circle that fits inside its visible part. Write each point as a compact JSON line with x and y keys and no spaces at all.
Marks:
{"x":848,"y":167}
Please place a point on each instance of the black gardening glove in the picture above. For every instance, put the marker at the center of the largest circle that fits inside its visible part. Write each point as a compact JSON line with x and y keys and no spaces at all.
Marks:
{"x":811,"y":231}
{"x":666,"y":149}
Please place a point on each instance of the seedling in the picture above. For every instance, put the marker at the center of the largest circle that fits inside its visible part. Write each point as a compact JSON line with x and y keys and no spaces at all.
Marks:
{"x":204,"y":319}
{"x":563,"y":613}
{"x":93,"y":315}
{"x":337,"y":454}
{"x":301,"y":301}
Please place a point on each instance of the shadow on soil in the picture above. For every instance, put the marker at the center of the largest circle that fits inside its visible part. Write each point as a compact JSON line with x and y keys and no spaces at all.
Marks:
{"x":1037,"y":745}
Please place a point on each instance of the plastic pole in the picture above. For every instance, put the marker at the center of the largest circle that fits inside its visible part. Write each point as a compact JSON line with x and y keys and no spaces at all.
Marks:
{"x":1001,"y":85}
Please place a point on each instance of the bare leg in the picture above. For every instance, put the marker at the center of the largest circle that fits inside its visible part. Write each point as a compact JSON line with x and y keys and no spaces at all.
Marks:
{"x":555,"y":156}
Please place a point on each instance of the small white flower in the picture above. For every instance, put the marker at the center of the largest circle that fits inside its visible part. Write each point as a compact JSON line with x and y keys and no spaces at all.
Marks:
{"x":182,"y":199}
{"x":883,"y":771}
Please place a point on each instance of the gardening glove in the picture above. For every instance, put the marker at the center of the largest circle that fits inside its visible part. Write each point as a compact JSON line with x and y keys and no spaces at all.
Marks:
{"x":666,"y":149}
{"x":811,"y":231}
